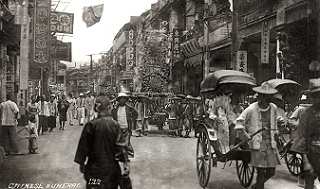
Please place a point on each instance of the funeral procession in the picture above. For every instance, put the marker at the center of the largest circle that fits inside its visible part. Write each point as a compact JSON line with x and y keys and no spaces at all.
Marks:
{"x":160,"y":94}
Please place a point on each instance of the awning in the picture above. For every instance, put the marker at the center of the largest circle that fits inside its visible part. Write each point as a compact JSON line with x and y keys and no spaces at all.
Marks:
{"x":190,"y":48}
{"x":193,"y":61}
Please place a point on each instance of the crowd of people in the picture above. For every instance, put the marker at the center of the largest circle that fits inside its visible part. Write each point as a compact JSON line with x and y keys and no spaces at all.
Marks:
{"x":108,"y":126}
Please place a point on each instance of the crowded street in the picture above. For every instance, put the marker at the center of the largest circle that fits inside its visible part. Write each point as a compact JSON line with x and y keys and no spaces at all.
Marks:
{"x":161,"y":162}
{"x":160,"y":94}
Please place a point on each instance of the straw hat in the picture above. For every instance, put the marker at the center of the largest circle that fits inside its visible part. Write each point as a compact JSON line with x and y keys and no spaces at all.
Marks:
{"x":265,"y":88}
{"x":122,"y":95}
{"x":314,"y":85}
{"x":81,"y":94}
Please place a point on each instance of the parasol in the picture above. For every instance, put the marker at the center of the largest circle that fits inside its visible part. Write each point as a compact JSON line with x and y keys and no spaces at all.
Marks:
{"x":289,"y":89}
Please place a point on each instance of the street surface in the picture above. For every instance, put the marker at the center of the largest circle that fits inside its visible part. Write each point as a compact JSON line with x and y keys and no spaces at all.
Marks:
{"x":160,"y":162}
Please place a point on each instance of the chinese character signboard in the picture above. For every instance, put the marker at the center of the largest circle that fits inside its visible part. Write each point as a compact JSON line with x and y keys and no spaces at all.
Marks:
{"x":41,"y":31}
{"x":24,"y":47}
{"x":176,"y":45}
{"x":53,"y":71}
{"x":61,"y":51}
{"x":265,"y":38}
{"x":131,"y":50}
{"x":241,"y":61}
{"x":61,"y":22}
{"x":34,"y":72}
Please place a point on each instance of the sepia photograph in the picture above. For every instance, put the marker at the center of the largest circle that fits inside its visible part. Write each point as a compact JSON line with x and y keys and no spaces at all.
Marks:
{"x":159,"y":94}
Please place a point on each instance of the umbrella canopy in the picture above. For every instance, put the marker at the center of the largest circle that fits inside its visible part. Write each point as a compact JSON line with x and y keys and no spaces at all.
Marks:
{"x":288,"y":88}
{"x":227,"y":77}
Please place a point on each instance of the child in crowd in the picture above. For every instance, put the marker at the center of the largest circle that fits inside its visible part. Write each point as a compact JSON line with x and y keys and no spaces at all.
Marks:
{"x":32,"y":130}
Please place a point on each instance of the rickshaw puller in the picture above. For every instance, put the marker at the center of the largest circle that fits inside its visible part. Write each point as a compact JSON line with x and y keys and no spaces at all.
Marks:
{"x":261,"y":114}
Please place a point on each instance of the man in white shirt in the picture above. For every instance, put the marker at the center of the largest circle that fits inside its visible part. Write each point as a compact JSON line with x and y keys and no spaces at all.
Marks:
{"x":9,"y":114}
{"x":126,"y":116}
{"x":80,"y":106}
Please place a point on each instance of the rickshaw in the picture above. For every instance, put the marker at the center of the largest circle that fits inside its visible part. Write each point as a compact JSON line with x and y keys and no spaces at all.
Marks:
{"x":290,"y":91}
{"x":206,"y":154}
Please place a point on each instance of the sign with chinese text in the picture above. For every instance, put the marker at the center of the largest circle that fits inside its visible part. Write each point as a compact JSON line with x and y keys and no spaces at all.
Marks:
{"x":131,"y":51}
{"x":176,"y":45}
{"x":41,"y":31}
{"x":3,"y":75}
{"x":61,"y":51}
{"x":53,"y":70}
{"x":34,"y":72}
{"x":24,"y":49}
{"x":242,"y":58}
{"x":61,"y":22}
{"x":265,"y":40}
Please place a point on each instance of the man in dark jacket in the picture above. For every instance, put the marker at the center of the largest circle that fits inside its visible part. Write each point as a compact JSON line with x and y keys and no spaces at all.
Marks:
{"x":126,"y":116}
{"x":307,"y":136}
{"x":102,"y":145}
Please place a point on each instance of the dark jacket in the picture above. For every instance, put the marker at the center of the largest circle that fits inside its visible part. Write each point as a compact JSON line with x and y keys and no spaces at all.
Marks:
{"x":103,"y":144}
{"x":132,"y":116}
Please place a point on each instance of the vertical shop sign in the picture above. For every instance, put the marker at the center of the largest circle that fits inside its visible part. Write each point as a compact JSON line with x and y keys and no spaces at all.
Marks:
{"x":53,"y":71}
{"x":265,"y":40}
{"x":131,"y":50}
{"x":242,"y":59}
{"x":176,"y":45}
{"x":41,"y":31}
{"x":4,"y":59}
{"x":24,"y":48}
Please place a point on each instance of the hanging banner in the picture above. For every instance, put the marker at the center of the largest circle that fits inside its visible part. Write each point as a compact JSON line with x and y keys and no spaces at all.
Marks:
{"x":242,"y":59}
{"x":92,"y":15}
{"x":41,"y":31}
{"x":176,"y":45}
{"x":265,"y":40}
{"x":53,"y":71}
{"x":61,"y":22}
{"x":131,"y":51}
{"x":24,"y":48}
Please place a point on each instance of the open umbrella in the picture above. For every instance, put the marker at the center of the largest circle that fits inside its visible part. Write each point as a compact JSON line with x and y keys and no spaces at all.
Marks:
{"x":289,"y":89}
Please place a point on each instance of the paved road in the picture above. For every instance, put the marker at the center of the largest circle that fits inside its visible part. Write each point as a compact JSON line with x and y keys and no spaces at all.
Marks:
{"x":161,"y":162}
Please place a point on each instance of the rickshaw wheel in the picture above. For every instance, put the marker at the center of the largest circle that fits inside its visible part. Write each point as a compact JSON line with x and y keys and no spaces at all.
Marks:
{"x":245,"y":173}
{"x":293,"y":162}
{"x":203,"y":158}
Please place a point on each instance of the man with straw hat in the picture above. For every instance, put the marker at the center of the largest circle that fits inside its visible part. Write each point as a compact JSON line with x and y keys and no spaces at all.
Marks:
{"x":307,"y":136}
{"x":261,"y":114}
{"x":126,"y":116}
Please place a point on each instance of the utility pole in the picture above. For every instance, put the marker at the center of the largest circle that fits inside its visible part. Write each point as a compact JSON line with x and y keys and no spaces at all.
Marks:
{"x":234,"y":33}
{"x":90,"y":61}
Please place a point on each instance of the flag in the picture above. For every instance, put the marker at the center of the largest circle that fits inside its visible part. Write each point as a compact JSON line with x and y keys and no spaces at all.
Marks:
{"x":92,"y":15}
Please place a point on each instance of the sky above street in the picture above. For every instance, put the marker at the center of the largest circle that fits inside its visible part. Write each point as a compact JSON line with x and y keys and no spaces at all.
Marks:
{"x":99,"y":37}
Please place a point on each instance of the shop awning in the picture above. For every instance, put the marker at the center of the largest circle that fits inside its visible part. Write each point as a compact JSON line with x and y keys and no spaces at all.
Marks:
{"x":193,"y":61}
{"x":190,"y":48}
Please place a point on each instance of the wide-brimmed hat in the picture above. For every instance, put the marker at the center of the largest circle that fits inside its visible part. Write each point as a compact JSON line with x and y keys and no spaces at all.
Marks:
{"x":265,"y":88}
{"x":122,"y":95}
{"x":314,"y":85}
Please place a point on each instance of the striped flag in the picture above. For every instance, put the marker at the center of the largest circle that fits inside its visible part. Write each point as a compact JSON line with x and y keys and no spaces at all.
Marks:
{"x":92,"y":15}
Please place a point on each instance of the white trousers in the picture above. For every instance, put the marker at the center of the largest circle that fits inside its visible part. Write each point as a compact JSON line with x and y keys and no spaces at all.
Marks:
{"x":81,"y":115}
